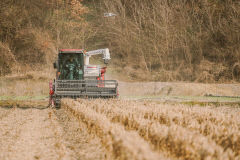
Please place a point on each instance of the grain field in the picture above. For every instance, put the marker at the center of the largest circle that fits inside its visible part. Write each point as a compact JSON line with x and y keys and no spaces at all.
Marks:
{"x":160,"y":131}
{"x":107,"y":129}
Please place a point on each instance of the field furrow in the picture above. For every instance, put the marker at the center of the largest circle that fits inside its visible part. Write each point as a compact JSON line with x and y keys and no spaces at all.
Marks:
{"x":178,"y":141}
{"x":76,"y":137}
{"x":119,"y":142}
{"x":227,"y":136}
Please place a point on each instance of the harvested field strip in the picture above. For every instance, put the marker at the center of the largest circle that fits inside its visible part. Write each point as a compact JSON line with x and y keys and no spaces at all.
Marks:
{"x":119,"y":142}
{"x":227,"y":136}
{"x":9,"y":134}
{"x":176,"y":140}
{"x":63,"y":152}
{"x":76,"y":137}
{"x":5,"y":112}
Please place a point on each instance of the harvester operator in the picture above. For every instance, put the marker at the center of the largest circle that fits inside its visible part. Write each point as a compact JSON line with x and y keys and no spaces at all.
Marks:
{"x":74,"y":71}
{"x":71,"y":67}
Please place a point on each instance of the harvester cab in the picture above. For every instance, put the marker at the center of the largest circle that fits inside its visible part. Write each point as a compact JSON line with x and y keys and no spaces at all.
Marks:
{"x":76,"y":78}
{"x":69,"y":65}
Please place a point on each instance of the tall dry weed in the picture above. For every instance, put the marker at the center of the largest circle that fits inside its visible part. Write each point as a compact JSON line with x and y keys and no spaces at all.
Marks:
{"x":170,"y":40}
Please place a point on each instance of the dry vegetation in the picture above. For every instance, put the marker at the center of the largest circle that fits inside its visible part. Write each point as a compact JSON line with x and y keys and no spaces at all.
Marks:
{"x":147,"y":130}
{"x":162,"y":40}
{"x":32,"y":31}
{"x":169,"y":40}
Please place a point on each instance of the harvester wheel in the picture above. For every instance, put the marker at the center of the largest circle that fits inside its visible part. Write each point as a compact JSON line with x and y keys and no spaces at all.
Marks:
{"x":57,"y":106}
{"x":57,"y":103}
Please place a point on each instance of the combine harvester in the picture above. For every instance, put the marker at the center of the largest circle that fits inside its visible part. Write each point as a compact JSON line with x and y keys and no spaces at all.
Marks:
{"x":76,"y":78}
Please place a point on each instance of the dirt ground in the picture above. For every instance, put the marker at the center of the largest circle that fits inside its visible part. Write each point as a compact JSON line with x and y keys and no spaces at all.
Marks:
{"x":177,"y":89}
{"x":31,"y":133}
{"x":34,"y":84}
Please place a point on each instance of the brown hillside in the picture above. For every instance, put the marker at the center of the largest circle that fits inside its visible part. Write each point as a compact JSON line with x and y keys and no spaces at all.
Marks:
{"x":171,"y":40}
{"x":149,"y":40}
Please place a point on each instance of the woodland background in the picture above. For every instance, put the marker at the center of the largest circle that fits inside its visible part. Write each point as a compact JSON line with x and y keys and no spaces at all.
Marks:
{"x":157,"y":40}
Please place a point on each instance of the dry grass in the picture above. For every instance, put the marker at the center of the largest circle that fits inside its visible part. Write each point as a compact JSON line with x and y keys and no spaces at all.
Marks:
{"x":33,"y":83}
{"x":166,"y":40}
{"x":157,"y":40}
{"x":32,"y":32}
{"x":176,"y":131}
{"x":177,"y":89}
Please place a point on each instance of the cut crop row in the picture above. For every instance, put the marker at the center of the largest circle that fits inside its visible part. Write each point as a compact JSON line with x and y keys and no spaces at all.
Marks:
{"x":174,"y":139}
{"x":120,"y":143}
{"x":226,"y":136}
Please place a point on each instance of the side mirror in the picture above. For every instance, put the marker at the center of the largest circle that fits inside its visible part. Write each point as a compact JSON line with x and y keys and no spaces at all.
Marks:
{"x":54,"y":65}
